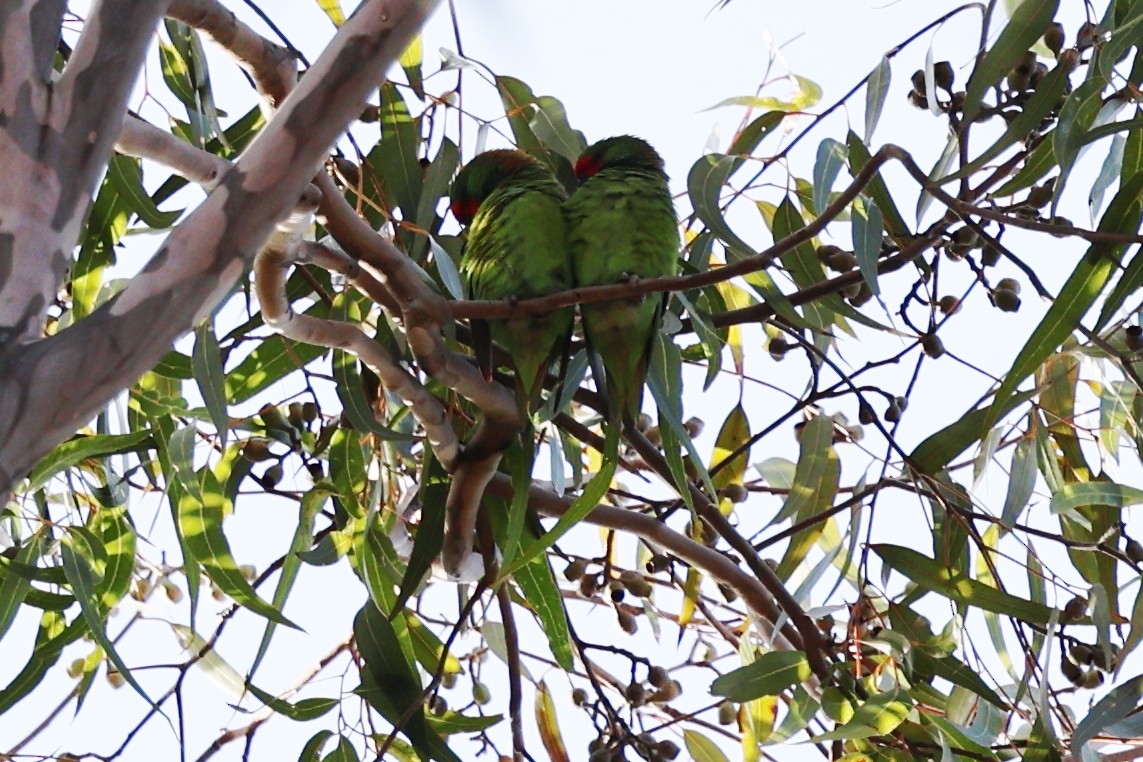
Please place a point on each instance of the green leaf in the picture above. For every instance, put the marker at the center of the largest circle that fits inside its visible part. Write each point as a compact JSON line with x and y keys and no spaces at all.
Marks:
{"x":1076,"y":117}
{"x":1026,"y":26}
{"x":867,"y":230}
{"x":705,"y":181}
{"x":350,"y":389}
{"x":859,"y":156}
{"x":1129,"y":283}
{"x":437,"y":179}
{"x":389,"y":683}
{"x":1120,"y":701}
{"x":1021,"y":482}
{"x":313,"y":746}
{"x":957,"y":586}
{"x":394,"y":158}
{"x":938,"y":450}
{"x":702,"y":749}
{"x":343,"y":753}
{"x":80,"y":448}
{"x":311,"y":504}
{"x":430,"y":532}
{"x":126,"y":175}
{"x":176,"y":74}
{"x":769,"y":675}
{"x":428,"y":649}
{"x":301,"y":711}
{"x":1043,"y":100}
{"x":752,"y":135}
{"x":958,"y":673}
{"x":53,"y":635}
{"x":200,"y":513}
{"x":1039,"y":163}
{"x":806,"y":270}
{"x":83,"y":558}
{"x":111,"y":528}
{"x":1081,"y":494}
{"x":876,"y":88}
{"x":539,"y":587}
{"x":451,"y":722}
{"x":1080,"y":291}
{"x":830,"y":160}
{"x":815,"y":485}
{"x":447,"y":270}
{"x":206,"y":364}
{"x":734,"y":433}
{"x":878,"y":716}
{"x":14,"y":586}
{"x":550,"y":124}
{"x":664,"y":379}
{"x":270,"y":361}
{"x":580,"y":507}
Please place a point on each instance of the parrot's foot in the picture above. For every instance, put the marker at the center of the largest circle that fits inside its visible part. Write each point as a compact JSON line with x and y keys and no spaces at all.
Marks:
{"x":512,"y":301}
{"x":631,"y":279}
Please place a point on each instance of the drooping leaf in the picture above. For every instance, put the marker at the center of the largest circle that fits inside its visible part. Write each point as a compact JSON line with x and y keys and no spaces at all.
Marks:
{"x":876,"y":88}
{"x":1082,"y":288}
{"x":201,"y":509}
{"x":549,"y":725}
{"x":815,"y":485}
{"x":957,"y":586}
{"x":206,"y":364}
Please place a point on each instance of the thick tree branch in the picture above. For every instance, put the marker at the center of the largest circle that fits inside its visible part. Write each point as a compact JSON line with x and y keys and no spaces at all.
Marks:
{"x":55,"y":139}
{"x":270,"y":270}
{"x":89,"y":102}
{"x":143,"y":140}
{"x":87,"y":364}
{"x":272,"y":67}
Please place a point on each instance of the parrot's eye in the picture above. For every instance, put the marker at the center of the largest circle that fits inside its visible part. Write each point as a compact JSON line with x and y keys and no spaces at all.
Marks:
{"x":587,"y":165}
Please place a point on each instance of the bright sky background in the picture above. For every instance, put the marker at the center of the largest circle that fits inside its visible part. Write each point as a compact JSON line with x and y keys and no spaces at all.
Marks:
{"x":647,"y":67}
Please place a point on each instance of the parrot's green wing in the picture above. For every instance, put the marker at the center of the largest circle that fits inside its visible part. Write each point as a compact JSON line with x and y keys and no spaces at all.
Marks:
{"x":621,"y":226}
{"x":517,"y":249}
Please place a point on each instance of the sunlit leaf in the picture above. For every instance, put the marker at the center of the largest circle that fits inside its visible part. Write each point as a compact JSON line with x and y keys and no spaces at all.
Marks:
{"x":768,"y":675}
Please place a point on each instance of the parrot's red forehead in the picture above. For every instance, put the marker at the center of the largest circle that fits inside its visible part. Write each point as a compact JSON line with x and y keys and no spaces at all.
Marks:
{"x":587,"y":165}
{"x":464,"y":209}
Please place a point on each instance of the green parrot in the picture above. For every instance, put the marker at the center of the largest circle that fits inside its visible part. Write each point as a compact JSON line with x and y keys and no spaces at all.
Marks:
{"x":516,"y":248}
{"x":622,"y":226}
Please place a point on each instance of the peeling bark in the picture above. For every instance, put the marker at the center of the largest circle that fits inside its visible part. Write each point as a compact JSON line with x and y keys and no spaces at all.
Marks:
{"x":50,"y":387}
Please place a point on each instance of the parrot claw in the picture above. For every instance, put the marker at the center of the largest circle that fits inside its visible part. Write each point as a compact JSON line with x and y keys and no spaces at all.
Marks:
{"x":512,"y":301}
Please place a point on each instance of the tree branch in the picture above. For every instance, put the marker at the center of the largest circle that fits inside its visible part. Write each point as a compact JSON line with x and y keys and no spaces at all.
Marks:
{"x":272,"y":67}
{"x":89,"y":102}
{"x":270,"y":270}
{"x":144,"y":140}
{"x":86,"y":365}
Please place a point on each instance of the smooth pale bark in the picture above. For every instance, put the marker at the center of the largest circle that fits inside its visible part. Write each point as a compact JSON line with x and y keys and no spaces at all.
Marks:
{"x":50,"y":387}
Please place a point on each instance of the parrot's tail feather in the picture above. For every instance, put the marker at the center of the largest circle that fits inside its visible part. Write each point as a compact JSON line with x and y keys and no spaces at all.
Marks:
{"x":602,"y":384}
